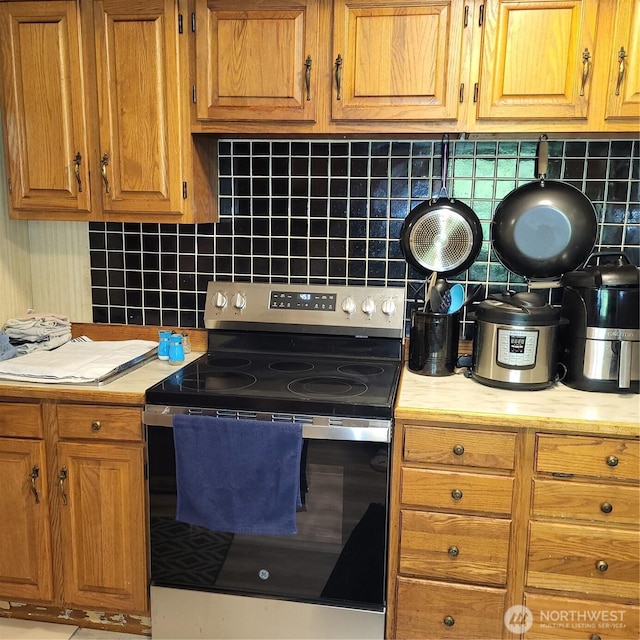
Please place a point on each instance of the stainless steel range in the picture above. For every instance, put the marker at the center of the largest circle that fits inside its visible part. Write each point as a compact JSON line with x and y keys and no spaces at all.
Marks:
{"x":325,"y":357}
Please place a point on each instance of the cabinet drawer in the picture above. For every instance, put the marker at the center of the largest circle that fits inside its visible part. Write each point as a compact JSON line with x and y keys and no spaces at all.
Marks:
{"x":573,"y":619}
{"x":457,"y":490}
{"x":100,"y":422}
{"x":436,"y":445}
{"x":601,"y":502}
{"x":595,"y":560}
{"x":467,"y":548}
{"x":588,"y":456}
{"x":20,"y":420}
{"x":435,"y":610}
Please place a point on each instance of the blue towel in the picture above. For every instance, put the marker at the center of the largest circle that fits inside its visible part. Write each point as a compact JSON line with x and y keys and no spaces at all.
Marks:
{"x":7,"y":350}
{"x":240,"y":476}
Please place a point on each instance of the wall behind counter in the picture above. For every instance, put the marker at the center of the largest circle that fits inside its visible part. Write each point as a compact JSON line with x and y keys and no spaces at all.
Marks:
{"x":331,"y":212}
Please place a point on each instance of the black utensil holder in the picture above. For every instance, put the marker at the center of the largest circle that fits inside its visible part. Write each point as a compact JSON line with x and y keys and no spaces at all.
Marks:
{"x":433,"y":342}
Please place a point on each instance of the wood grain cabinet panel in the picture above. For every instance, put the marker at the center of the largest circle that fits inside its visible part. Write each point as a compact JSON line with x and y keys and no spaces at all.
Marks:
{"x":452,"y":490}
{"x":99,"y":422}
{"x":454,"y":547}
{"x":20,"y":420}
{"x":440,"y":611}
{"x":605,"y":458}
{"x":596,"y":502}
{"x":434,"y":445}
{"x":597,"y":561}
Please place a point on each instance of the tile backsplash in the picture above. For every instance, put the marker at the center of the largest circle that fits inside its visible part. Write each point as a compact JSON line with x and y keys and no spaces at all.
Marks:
{"x":307,"y":211}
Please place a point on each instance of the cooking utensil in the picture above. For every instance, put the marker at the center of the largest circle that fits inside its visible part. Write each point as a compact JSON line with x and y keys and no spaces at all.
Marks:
{"x":428,"y":288}
{"x":473,"y":294}
{"x":544,"y":229}
{"x":442,"y":235}
{"x":457,"y":298}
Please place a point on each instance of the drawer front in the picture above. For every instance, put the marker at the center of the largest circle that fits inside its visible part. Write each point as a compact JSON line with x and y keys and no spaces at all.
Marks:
{"x":456,"y":490}
{"x":441,"y":545}
{"x":436,"y":611}
{"x":588,"y":456}
{"x":100,"y":422}
{"x":434,"y":445}
{"x":20,"y":420}
{"x":599,"y":561}
{"x":613,"y":503}
{"x":573,"y":619}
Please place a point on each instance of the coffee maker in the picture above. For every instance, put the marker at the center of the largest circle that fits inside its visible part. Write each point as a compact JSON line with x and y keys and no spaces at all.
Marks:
{"x":600,"y":326}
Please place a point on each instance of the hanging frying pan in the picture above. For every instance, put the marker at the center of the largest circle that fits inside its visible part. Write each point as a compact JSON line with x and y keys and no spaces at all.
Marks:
{"x":442,"y":235}
{"x":544,"y":229}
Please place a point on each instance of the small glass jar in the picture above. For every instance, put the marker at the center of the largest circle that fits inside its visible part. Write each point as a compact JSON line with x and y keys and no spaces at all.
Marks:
{"x":176,"y":350}
{"x":163,"y":344}
{"x":186,"y":342}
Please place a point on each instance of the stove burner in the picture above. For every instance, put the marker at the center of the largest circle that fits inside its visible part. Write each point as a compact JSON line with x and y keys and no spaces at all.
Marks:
{"x":229,"y":362}
{"x":291,"y":365}
{"x":219,"y":381}
{"x":327,"y":387}
{"x":361,"y":369}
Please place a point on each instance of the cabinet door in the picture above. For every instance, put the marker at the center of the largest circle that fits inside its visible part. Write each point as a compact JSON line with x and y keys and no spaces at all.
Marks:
{"x":257,"y":60}
{"x":397,"y":60}
{"x":624,"y":79}
{"x":138,"y":93}
{"x":44,"y":110}
{"x":537,"y":59}
{"x":25,"y":538}
{"x":103,"y":525}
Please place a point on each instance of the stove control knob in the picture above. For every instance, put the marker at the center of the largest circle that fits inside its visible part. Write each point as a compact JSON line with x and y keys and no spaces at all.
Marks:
{"x":220,"y":301}
{"x":369,"y":306}
{"x":388,"y":307}
{"x":349,"y":305}
{"x":239,"y":301}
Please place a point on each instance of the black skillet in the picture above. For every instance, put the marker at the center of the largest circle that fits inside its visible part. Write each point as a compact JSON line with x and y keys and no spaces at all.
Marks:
{"x":442,"y":235}
{"x":544,"y":229}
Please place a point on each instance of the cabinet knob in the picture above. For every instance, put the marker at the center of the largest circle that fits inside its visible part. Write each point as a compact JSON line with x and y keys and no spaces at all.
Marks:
{"x":605,"y":507}
{"x":453,"y":551}
{"x":458,"y":450}
{"x":456,"y":494}
{"x":449,"y":621}
{"x":601,"y":565}
{"x":612,"y":461}
{"x":594,"y":636}
{"x":95,"y":425}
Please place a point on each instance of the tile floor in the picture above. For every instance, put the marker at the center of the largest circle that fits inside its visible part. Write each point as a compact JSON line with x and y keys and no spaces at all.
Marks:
{"x":13,"y":629}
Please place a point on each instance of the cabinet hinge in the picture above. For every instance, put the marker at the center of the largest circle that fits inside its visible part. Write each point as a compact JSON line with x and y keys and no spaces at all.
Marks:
{"x":466,"y":15}
{"x":193,"y":22}
{"x":475,"y":92}
{"x":481,"y":16}
{"x":461,"y":92}
{"x":10,"y":185}
{"x":180,"y":29}
{"x":193,"y":94}
{"x":184,"y":190}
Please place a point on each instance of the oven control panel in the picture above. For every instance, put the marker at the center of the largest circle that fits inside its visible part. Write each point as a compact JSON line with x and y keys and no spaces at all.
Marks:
{"x":334,"y":309}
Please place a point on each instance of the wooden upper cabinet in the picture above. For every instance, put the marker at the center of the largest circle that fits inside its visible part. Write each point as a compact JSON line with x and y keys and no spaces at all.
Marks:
{"x":537,"y":59}
{"x":140,"y":129}
{"x":623,"y":91}
{"x":45,"y":110}
{"x":257,"y":60}
{"x":397,"y":60}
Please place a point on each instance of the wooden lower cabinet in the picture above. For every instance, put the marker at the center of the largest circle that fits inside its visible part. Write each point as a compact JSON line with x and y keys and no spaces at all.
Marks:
{"x":73,"y":509}
{"x":437,"y":610}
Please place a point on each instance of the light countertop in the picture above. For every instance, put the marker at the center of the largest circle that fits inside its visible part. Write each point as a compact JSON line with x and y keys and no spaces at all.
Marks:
{"x":460,"y":400}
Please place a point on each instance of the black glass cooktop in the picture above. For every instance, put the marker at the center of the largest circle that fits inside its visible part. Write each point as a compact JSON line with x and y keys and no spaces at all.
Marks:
{"x":332,"y":376}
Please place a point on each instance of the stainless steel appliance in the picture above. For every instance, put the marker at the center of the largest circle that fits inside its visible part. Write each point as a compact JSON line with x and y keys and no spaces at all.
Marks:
{"x":601,"y":338}
{"x":515,"y":344}
{"x":328,"y":357}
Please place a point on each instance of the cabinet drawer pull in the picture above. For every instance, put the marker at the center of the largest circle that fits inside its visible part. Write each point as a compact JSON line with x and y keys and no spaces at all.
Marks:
{"x":339,"y":77}
{"x":95,"y":425}
{"x":35,"y":472}
{"x":307,"y":76}
{"x":62,"y":476}
{"x":458,"y":450}
{"x":449,"y":621}
{"x":586,"y":66}
{"x":612,"y":461}
{"x":622,"y":54}
{"x":456,"y":494}
{"x":594,"y":636}
{"x":606,"y":507}
{"x":76,"y":170}
{"x":453,"y":551}
{"x":601,"y":565}
{"x":103,"y":172}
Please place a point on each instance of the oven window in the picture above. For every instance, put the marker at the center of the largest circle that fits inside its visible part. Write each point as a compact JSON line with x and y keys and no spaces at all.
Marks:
{"x":337,"y":556}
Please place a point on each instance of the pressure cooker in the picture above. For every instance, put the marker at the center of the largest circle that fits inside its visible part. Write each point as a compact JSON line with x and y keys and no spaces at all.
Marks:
{"x":516,"y":341}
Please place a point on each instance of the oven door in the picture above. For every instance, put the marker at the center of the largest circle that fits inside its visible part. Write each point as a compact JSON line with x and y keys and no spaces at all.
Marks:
{"x":337,"y":558}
